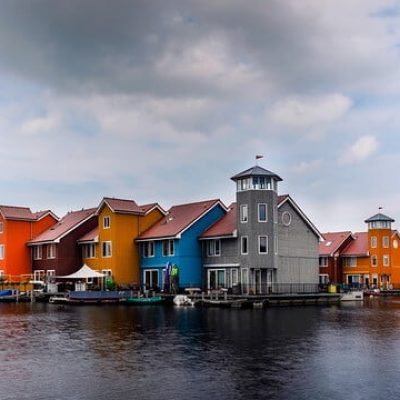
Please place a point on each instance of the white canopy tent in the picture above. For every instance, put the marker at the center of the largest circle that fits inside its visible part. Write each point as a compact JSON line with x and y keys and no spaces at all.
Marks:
{"x":84,"y":273}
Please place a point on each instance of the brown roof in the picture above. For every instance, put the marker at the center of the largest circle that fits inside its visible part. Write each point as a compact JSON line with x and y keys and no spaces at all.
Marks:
{"x":332,"y":242}
{"x":91,"y":236}
{"x":64,"y":226}
{"x":121,"y":205}
{"x":358,"y":247}
{"x":148,"y":207}
{"x":20,"y":213}
{"x":225,"y":226}
{"x":178,"y":219}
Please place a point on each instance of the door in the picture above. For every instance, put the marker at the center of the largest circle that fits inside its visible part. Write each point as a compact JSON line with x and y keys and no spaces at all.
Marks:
{"x":216,"y":279}
{"x":257,"y":281}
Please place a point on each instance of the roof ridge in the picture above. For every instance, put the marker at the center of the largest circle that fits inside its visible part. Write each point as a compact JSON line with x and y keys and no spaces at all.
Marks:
{"x":195,"y":202}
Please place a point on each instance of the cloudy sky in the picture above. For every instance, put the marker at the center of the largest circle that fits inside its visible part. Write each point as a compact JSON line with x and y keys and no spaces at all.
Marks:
{"x":166,"y":100}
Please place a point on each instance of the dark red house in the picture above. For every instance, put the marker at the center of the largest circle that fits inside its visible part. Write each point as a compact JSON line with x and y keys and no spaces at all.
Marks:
{"x":330,"y":262}
{"x":56,"y":250}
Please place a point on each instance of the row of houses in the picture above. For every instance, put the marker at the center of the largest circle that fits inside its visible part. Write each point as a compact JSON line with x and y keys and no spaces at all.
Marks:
{"x":261,"y":243}
{"x":365,"y":259}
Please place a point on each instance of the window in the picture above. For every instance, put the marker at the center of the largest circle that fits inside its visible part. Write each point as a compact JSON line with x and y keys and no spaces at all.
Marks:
{"x":2,"y":251}
{"x":323,"y":262}
{"x":386,"y":260}
{"x":263,"y":244}
{"x":349,"y":261}
{"x":50,"y":273}
{"x":385,"y":241}
{"x":373,"y":242}
{"x":106,"y":222}
{"x":234,"y":277}
{"x":286,"y":218}
{"x":262,"y":212}
{"x":245,"y":280}
{"x":213,"y":248}
{"x":148,"y":249}
{"x":151,"y":278}
{"x":243,"y":184}
{"x":168,"y":248}
{"x":374,"y":261}
{"x":90,"y":250}
{"x":323,"y":279}
{"x":244,"y":213}
{"x":107,"y":273}
{"x":106,"y":249}
{"x":244,"y":248}
{"x":37,"y":253}
{"x":39,"y":275}
{"x":276,"y":244}
{"x":1,"y":227}
{"x":51,"y":251}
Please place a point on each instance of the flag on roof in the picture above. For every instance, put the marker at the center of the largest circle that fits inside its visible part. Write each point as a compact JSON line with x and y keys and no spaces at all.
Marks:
{"x":258,"y":156}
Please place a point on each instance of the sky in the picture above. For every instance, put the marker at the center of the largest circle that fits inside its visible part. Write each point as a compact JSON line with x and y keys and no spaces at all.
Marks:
{"x":164,"y":101}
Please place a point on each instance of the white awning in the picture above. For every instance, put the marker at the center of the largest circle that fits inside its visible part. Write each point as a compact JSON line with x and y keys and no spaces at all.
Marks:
{"x":84,"y":273}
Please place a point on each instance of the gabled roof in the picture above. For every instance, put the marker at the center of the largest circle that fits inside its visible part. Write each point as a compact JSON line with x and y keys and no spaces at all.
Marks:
{"x":179,"y":219}
{"x":17,"y":213}
{"x":90,"y":237}
{"x":64,"y":226}
{"x":287,"y":199}
{"x":125,"y":206}
{"x":225,"y":227}
{"x":256,"y":171}
{"x":332,"y":242}
{"x":357,"y":247}
{"x":379,"y":217}
{"x":23,"y":213}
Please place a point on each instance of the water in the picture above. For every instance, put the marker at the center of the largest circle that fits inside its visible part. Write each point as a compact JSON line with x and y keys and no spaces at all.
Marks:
{"x":154,"y":352}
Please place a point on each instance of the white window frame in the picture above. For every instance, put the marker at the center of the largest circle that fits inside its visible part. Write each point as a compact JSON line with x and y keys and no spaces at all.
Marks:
{"x":266,"y":244}
{"x":266,"y":212}
{"x":385,"y":242}
{"x":150,"y":272}
{"x":39,"y":274}
{"x":168,"y":245}
{"x":374,"y":242}
{"x":51,"y":251}
{"x":90,"y":250}
{"x":246,"y":239}
{"x":244,"y":213}
{"x":2,"y":251}
{"x":214,"y":248}
{"x":372,"y":261}
{"x":106,"y":249}
{"x":1,"y":227}
{"x":148,"y":249}
{"x":323,"y":262}
{"x":106,"y":222}
{"x":234,"y":276}
{"x":276,"y":241}
{"x":386,"y":260}
{"x":350,"y":262}
{"x":38,"y":252}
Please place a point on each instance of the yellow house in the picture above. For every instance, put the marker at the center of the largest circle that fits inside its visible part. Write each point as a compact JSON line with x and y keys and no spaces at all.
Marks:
{"x":111,"y":247}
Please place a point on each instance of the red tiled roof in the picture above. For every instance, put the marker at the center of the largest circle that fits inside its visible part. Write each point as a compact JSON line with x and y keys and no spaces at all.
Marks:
{"x":332,"y":242}
{"x":178,"y":219}
{"x":358,"y":247}
{"x":62,"y":227}
{"x":91,"y":236}
{"x":225,"y":226}
{"x":12,"y":212}
{"x":145,"y":208}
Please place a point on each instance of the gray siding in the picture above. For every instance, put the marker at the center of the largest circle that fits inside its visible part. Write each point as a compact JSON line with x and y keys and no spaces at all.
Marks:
{"x":229,"y":253}
{"x":298,"y":250}
{"x":253,"y":228}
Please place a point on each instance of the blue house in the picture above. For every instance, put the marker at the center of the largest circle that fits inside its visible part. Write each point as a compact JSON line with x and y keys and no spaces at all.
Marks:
{"x":174,"y":241}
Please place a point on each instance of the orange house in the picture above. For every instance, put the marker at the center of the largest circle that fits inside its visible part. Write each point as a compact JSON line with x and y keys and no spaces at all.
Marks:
{"x":372,"y":259}
{"x":111,"y":248}
{"x":18,"y":225}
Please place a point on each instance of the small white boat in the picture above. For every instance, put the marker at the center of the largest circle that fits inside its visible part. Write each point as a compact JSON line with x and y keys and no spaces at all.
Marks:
{"x":183,"y":300}
{"x":355,"y":295}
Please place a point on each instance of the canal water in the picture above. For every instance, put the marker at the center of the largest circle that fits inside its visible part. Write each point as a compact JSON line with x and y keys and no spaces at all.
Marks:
{"x":351,"y":351}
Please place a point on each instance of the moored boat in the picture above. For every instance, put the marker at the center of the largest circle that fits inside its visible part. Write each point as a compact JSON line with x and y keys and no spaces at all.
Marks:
{"x":355,"y":295}
{"x":144,"y":300}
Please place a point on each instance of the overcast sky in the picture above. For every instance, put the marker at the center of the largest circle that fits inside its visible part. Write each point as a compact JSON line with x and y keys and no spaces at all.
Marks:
{"x":166,"y":100}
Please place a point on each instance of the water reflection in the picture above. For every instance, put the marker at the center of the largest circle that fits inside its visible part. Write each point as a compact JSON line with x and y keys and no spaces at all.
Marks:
{"x":114,"y":352}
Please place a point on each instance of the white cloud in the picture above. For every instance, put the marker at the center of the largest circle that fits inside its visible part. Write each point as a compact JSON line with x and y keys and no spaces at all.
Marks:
{"x":359,"y":151}
{"x":307,"y":112}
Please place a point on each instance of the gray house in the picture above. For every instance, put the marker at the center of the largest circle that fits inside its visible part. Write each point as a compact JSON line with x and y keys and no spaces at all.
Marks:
{"x":264,"y":243}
